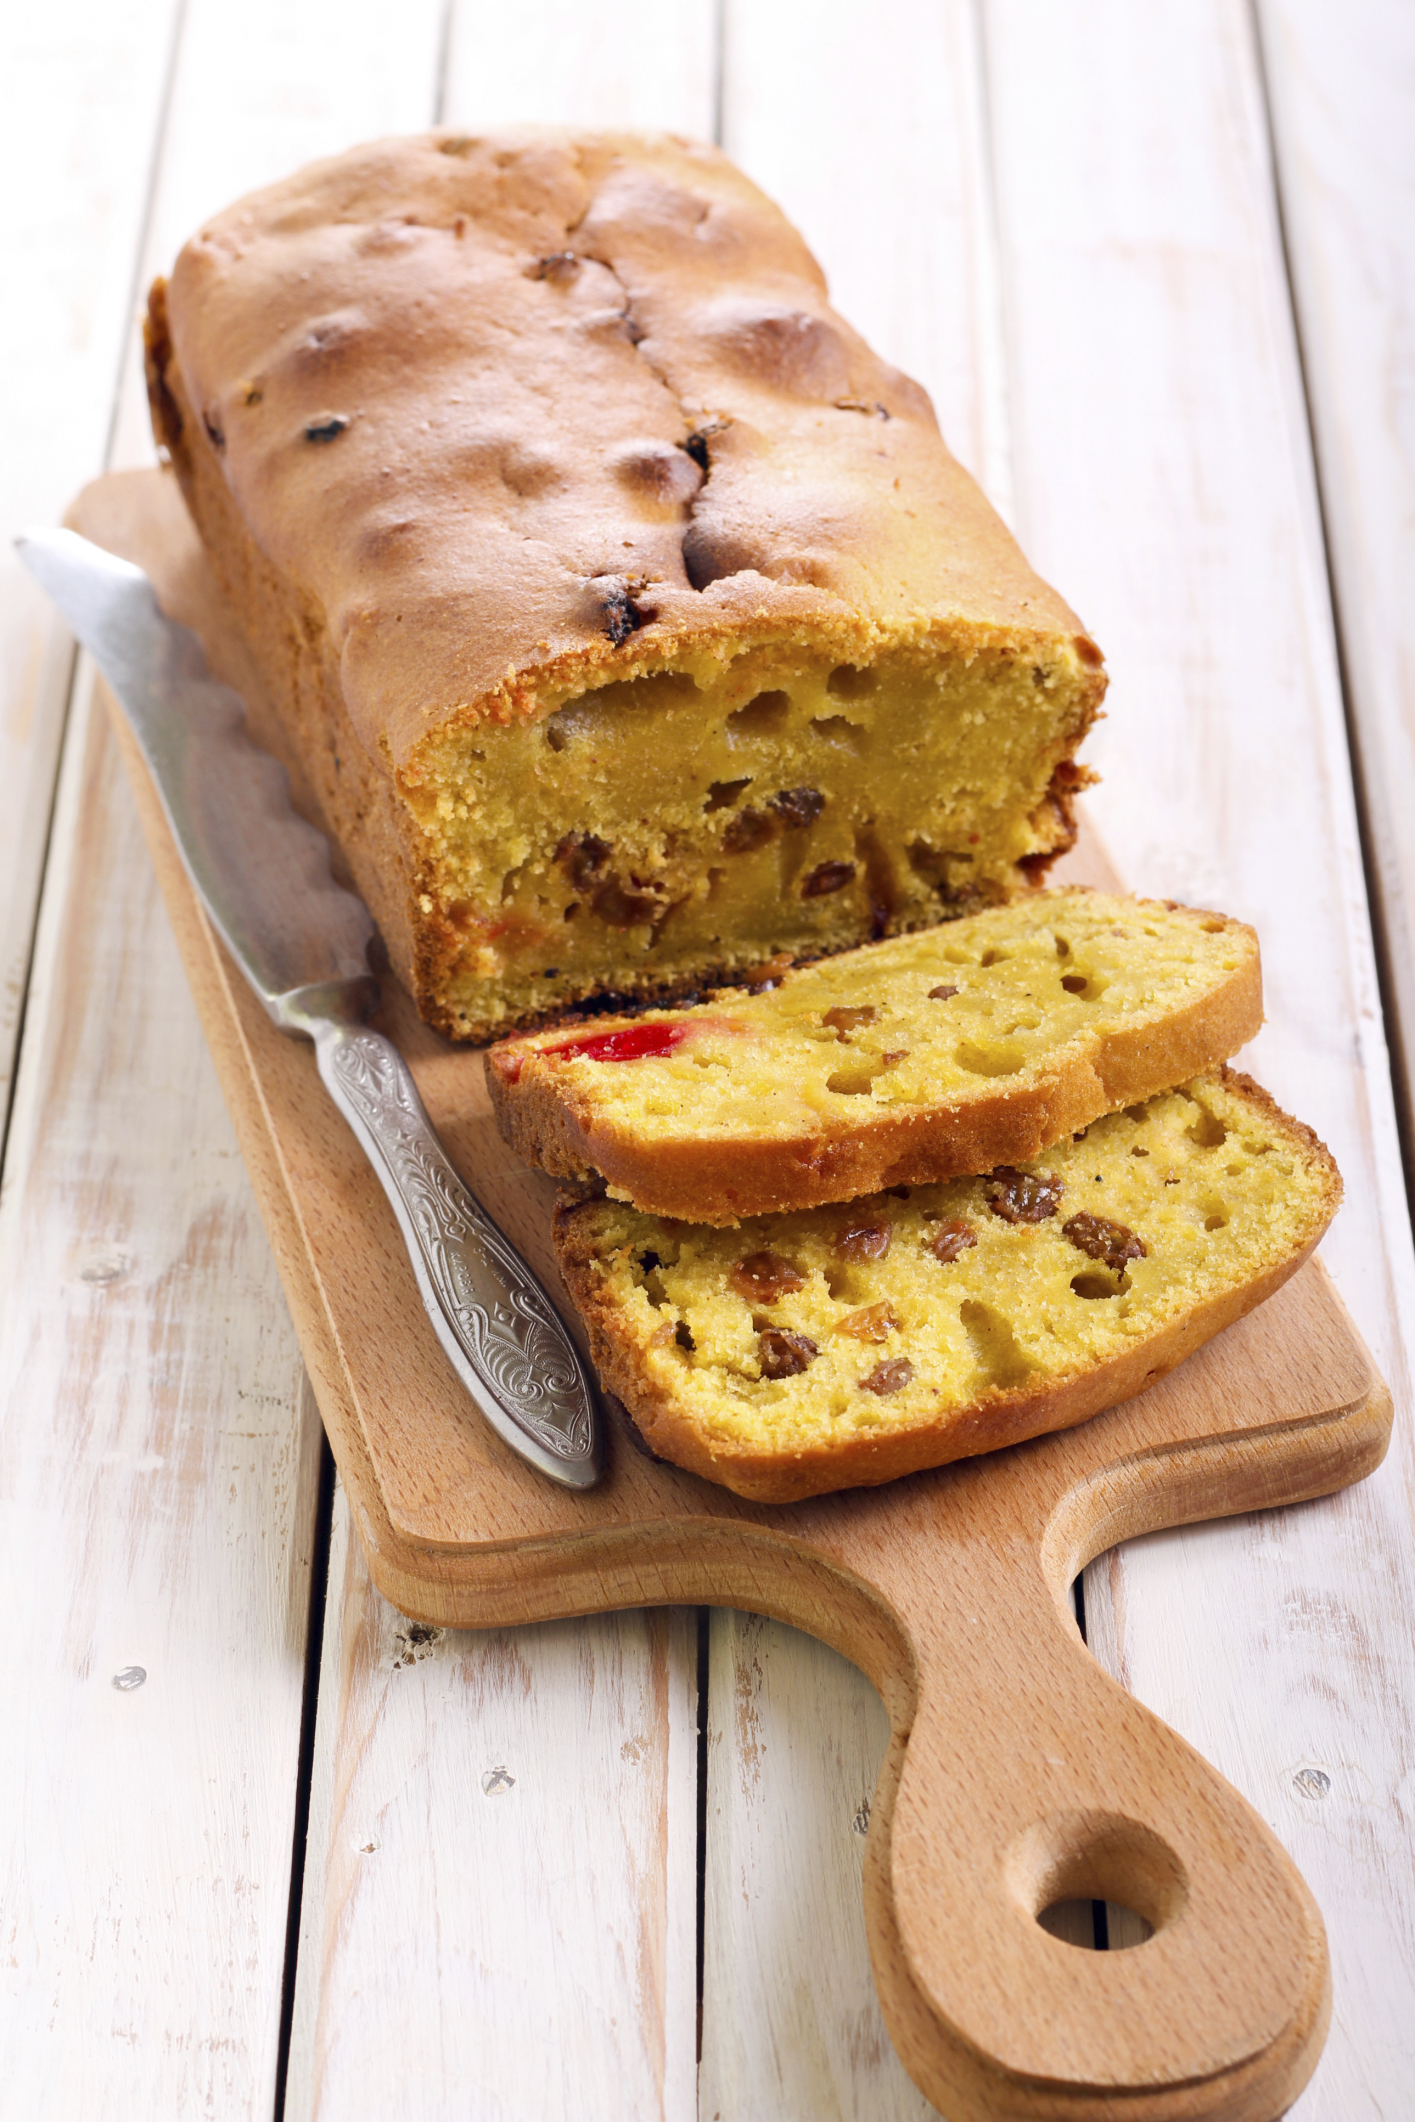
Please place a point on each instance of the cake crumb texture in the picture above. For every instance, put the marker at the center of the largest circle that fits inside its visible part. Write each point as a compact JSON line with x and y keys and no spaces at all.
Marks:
{"x":847,"y":1345}
{"x":914,"y":1059}
{"x":630,"y":615}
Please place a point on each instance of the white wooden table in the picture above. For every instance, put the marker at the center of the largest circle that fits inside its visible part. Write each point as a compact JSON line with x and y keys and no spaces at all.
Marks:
{"x":1157,"y":267}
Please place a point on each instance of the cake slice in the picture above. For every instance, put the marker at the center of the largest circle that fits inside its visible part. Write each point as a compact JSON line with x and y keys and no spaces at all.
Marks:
{"x":910,"y":1060}
{"x":843,"y":1346}
{"x":628,"y":616}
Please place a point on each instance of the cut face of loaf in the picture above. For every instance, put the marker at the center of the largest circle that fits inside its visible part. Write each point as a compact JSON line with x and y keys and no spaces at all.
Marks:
{"x":844,"y":1346}
{"x":629,"y":617}
{"x":916,"y":1059}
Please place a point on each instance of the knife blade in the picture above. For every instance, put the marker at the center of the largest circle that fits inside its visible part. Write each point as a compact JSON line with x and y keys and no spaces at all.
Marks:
{"x":301,"y":940}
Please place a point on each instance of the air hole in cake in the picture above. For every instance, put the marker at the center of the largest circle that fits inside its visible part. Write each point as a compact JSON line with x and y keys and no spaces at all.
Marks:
{"x":855,"y":1082}
{"x":556,"y":736}
{"x":849,"y":681}
{"x":722,"y":795}
{"x":839,"y":729}
{"x":1207,"y":1131}
{"x":1094,"y":1283}
{"x":1063,"y":948}
{"x":982,"y":1060}
{"x":661,"y":688}
{"x":993,"y":957}
{"x":766,"y":716}
{"x":994,"y":1345}
{"x":1076,"y":984}
{"x":1216,"y":1216}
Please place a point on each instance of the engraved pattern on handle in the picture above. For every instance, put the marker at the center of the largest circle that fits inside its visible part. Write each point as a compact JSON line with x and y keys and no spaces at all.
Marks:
{"x":506,"y":1325}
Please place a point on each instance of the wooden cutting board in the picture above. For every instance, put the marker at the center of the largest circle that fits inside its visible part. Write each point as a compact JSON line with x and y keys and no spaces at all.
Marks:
{"x":1019,"y":1774}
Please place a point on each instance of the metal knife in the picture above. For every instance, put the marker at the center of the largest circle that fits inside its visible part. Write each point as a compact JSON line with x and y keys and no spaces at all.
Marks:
{"x":263,"y":876}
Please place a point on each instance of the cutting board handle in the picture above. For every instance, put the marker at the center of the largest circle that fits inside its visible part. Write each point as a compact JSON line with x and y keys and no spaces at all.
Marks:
{"x":1029,"y":1777}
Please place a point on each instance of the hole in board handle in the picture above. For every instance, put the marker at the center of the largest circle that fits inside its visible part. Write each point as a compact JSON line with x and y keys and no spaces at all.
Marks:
{"x":1096,"y":1926}
{"x":1064,"y":1864}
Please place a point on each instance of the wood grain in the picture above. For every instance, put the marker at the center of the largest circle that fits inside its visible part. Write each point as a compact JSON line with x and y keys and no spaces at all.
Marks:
{"x":80,"y":98}
{"x":158,"y":1475}
{"x":501,"y":1846}
{"x":252,"y":99}
{"x":994,"y":2014}
{"x":871,"y":128}
{"x":796,"y":1736}
{"x":159,"y":1446}
{"x":630,"y":63}
{"x":1340,"y":93}
{"x":901,"y":218}
{"x":1164,"y":475}
{"x":543,"y":1932}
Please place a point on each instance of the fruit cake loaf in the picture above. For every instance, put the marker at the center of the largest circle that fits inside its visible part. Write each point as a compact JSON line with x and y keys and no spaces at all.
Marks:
{"x":914,"y":1059}
{"x":630,"y":616}
{"x":843,"y":1346}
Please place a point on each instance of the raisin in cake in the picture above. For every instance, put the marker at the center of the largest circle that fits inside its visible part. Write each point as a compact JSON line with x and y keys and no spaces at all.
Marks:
{"x":920,"y":1058}
{"x":843,"y":1346}
{"x":630,"y":617}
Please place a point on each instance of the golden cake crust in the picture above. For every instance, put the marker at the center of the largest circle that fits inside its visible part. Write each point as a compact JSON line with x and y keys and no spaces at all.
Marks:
{"x":391,"y":284}
{"x":552,"y":1117}
{"x":466,"y":422}
{"x":766,"y":1472}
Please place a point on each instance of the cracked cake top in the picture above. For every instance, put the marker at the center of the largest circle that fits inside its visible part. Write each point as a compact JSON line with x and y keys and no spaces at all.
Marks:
{"x":523,"y":413}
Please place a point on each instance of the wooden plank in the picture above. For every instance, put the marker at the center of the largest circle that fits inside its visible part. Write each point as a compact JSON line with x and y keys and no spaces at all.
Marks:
{"x":881,"y":161}
{"x":618,"y":63}
{"x":796,"y":1737}
{"x":1165,"y":477}
{"x":80,"y":96}
{"x":253,"y":100}
{"x":161,"y":1448}
{"x":500,"y":1910}
{"x":552,"y":1964}
{"x":159,"y":1469}
{"x":1340,"y":92}
{"x":882,"y":164}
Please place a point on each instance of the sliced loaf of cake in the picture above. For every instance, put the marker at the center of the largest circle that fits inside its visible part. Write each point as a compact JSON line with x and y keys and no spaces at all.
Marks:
{"x":628,"y":615}
{"x":843,"y":1346}
{"x":914,"y":1059}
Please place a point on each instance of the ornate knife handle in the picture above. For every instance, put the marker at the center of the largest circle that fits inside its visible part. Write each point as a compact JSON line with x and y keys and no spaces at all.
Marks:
{"x":501,"y":1332}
